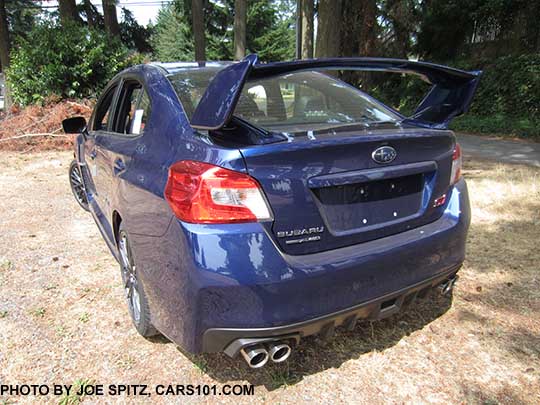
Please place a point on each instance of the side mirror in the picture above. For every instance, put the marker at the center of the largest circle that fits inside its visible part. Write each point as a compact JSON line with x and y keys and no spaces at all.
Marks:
{"x":74,"y":125}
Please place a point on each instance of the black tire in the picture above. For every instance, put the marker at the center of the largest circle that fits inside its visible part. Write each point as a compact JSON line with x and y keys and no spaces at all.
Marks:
{"x":138,"y":307}
{"x":76,"y":183}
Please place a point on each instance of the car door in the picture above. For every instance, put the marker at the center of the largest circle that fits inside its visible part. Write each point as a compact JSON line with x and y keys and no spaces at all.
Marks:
{"x":115,"y":148}
{"x":99,"y":126}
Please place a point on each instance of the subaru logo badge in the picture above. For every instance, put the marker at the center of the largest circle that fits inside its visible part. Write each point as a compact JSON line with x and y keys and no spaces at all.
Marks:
{"x":384,"y":154}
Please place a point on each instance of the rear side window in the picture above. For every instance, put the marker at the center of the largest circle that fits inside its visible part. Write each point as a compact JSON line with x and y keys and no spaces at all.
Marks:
{"x":307,"y":98}
{"x":141,"y":114}
{"x":103,"y":111}
{"x":133,"y":109}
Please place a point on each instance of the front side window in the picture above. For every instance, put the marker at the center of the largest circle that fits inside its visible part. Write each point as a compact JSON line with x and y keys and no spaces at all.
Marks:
{"x":103,"y":111}
{"x":310,"y":99}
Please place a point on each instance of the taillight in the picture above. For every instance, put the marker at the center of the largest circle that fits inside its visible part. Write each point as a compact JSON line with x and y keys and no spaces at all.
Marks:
{"x":457,"y":163}
{"x":206,"y":194}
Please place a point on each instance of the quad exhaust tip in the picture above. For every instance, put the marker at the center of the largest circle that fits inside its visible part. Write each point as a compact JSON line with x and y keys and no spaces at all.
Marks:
{"x":279,"y":352}
{"x":255,"y":356}
{"x":448,"y":286}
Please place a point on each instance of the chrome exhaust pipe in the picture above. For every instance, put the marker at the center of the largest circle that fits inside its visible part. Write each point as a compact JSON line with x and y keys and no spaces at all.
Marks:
{"x":255,"y":356}
{"x":448,"y":285}
{"x":279,"y":352}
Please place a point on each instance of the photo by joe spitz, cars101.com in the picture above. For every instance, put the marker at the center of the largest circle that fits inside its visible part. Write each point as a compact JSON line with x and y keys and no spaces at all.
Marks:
{"x":250,"y":205}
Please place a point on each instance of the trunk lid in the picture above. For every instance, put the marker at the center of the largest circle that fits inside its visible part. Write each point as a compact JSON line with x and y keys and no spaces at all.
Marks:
{"x":325,"y":186}
{"x":326,"y":190}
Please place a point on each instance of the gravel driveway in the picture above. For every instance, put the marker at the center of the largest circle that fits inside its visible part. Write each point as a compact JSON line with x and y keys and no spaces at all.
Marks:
{"x":63,"y":319}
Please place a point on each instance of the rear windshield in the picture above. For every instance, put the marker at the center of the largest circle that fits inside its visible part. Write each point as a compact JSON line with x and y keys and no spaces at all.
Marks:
{"x":190,"y":85}
{"x":311,"y":99}
{"x":290,"y":102}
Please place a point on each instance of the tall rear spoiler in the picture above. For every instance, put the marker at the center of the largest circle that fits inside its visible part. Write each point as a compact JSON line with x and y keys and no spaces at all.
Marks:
{"x":450,"y":95}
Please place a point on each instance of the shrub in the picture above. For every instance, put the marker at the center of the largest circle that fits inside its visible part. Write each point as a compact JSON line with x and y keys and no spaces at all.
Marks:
{"x":507,"y":100}
{"x":497,"y":124}
{"x":510,"y":86}
{"x":508,"y":97}
{"x":69,"y":61}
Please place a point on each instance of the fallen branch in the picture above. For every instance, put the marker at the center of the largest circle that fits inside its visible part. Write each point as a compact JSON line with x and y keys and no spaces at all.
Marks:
{"x":51,"y":134}
{"x":78,"y":104}
{"x":33,"y":123}
{"x":31,"y":148}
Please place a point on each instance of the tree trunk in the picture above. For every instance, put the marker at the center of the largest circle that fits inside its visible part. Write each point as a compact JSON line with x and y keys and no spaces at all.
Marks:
{"x":110,"y":18}
{"x":91,"y":18}
{"x":358,"y":36}
{"x":4,"y":51}
{"x":328,"y":29}
{"x":240,"y":16}
{"x":4,"y":37}
{"x":532,"y":27}
{"x":89,"y":15}
{"x":400,"y":16}
{"x":198,"y":30}
{"x":307,"y":29}
{"x":68,"y":11}
{"x":368,"y":28}
{"x":298,"y":48}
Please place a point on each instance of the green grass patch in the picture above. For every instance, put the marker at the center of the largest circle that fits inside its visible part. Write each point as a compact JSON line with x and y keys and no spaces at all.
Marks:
{"x":73,"y":398}
{"x":38,"y":312}
{"x":85,"y":317}
{"x":6,"y":265}
{"x":201,"y":364}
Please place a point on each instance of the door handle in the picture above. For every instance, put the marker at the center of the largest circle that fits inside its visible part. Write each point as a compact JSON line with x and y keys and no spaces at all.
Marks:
{"x":119,"y":166}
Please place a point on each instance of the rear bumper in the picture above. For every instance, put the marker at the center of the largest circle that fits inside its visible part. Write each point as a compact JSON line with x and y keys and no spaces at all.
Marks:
{"x":221,"y":283}
{"x":231,"y":340}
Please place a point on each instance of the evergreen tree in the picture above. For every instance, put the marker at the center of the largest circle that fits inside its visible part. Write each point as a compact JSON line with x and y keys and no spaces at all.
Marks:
{"x":134,"y":35}
{"x":269,"y":30}
{"x":172,"y":39}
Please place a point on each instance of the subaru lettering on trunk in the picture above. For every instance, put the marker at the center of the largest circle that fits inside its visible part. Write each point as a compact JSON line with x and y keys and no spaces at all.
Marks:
{"x":252,"y":204}
{"x":298,"y":232}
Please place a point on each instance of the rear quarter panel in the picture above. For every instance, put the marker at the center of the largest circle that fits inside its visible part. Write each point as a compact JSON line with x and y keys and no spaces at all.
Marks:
{"x":167,"y":138}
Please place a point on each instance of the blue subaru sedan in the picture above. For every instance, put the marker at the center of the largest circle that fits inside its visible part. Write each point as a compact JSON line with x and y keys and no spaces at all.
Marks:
{"x":250,"y":205}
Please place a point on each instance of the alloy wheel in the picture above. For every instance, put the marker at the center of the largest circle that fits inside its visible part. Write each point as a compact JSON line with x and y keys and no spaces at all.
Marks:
{"x":129,"y":279}
{"x":77,"y":185}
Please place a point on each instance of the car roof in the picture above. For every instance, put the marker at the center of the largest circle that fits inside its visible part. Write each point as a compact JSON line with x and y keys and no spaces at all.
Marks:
{"x":174,"y":67}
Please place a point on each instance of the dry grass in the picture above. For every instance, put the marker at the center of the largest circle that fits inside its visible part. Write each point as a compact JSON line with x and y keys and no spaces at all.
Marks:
{"x":63,"y":319}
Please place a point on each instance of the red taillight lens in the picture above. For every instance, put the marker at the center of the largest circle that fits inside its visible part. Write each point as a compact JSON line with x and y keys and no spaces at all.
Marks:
{"x":206,"y":194}
{"x":457,"y":163}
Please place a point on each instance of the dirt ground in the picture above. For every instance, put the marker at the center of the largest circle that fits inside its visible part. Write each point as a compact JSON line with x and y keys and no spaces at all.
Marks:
{"x":63,"y":318}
